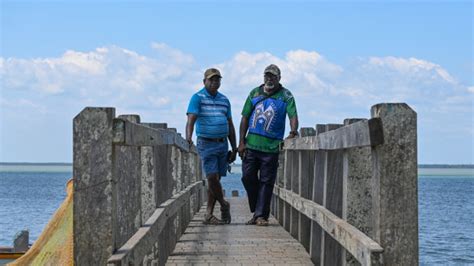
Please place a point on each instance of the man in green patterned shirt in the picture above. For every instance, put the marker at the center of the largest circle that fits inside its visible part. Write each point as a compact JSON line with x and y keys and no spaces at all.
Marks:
{"x":261,"y":131}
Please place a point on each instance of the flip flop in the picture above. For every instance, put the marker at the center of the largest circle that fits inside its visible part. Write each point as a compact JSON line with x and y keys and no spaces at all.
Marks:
{"x":212,"y":220}
{"x":225,"y":214}
{"x":251,"y":221}
{"x":261,"y":222}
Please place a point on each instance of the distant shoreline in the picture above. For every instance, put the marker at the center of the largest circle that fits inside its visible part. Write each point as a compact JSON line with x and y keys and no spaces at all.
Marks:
{"x":463,"y":166}
{"x":36,"y":164}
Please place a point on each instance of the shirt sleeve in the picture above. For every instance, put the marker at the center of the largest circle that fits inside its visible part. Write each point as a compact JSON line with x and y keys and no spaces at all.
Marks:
{"x":229,"y":110}
{"x":291,"y":108}
{"x":247,"y":110}
{"x":193,"y":107}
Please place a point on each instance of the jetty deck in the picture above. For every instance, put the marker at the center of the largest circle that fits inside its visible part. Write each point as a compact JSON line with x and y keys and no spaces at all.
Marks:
{"x":345,"y":194}
{"x":237,"y":243}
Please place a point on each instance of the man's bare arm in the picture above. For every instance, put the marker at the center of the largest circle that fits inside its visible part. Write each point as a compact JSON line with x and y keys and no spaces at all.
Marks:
{"x":190,"y":127}
{"x":294,"y":126}
{"x":232,"y":140}
{"x":244,"y":126}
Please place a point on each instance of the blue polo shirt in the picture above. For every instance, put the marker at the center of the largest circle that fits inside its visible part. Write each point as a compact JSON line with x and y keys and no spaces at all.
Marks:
{"x":212,"y":114}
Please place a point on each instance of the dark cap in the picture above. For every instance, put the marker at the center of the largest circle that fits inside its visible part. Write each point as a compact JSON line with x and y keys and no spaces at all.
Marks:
{"x":273,"y":69}
{"x":211,"y":72}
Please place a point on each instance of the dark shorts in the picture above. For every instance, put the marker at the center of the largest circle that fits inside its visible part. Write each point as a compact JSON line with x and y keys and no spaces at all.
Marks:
{"x":213,"y":156}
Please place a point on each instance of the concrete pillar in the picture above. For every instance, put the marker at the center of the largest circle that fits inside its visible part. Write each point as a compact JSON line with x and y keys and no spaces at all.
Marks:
{"x":148,"y":201}
{"x":395,"y":184}
{"x":127,"y":174}
{"x":357,"y":190}
{"x":94,"y":190}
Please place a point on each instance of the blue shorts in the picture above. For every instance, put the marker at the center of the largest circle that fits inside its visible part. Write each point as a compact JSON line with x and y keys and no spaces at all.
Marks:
{"x":213,"y":156}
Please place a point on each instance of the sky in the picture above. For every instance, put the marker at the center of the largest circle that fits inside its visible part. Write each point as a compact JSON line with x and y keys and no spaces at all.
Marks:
{"x":148,"y":58}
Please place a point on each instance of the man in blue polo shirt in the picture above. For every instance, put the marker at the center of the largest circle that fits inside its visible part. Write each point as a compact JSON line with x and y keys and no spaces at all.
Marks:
{"x":211,"y":112}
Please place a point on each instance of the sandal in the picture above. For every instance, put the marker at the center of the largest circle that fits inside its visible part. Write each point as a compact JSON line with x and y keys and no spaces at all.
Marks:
{"x":261,"y":222}
{"x":212,"y":220}
{"x":251,"y":221}
{"x":225,"y":214}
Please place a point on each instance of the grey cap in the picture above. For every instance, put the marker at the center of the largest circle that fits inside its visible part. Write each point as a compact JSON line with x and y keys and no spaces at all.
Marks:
{"x":273,"y":69}
{"x":211,"y":72}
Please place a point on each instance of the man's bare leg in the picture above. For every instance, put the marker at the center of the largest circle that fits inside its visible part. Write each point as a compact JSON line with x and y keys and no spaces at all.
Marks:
{"x":211,"y":202}
{"x":215,"y":188}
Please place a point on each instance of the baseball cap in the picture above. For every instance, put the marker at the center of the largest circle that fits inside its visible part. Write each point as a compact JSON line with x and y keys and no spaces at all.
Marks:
{"x":211,"y":72}
{"x":273,"y":69}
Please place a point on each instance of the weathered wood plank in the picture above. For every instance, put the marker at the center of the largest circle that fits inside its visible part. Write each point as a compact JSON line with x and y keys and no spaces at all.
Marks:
{"x":357,"y":243}
{"x":360,"y":134}
{"x":287,"y":185}
{"x":294,"y":215}
{"x":333,"y":201}
{"x":237,"y":243}
{"x":305,"y":176}
{"x":134,"y":134}
{"x":319,"y":188}
{"x":139,"y":244}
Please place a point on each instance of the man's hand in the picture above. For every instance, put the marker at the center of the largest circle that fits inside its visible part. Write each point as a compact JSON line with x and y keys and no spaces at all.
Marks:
{"x":232,"y":155}
{"x":190,"y":142}
{"x":190,"y":128}
{"x":241,"y":150}
{"x":292,"y":134}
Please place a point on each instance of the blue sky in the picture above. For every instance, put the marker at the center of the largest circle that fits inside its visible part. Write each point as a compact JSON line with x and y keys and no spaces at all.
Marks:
{"x":148,"y":57}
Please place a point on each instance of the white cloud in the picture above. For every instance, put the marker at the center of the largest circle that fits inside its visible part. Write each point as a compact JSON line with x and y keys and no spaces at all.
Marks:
{"x":159,"y":86}
{"x":412,"y":66}
{"x":174,"y":54}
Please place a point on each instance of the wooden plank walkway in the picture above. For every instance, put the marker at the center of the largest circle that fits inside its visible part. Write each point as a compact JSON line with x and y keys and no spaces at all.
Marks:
{"x":237,"y":243}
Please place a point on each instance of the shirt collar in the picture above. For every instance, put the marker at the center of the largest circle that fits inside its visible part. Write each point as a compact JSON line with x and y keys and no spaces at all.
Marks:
{"x":208,"y":94}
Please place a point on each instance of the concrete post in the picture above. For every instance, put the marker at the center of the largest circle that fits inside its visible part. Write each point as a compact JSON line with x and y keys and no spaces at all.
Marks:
{"x":148,"y":201}
{"x":395,"y":185}
{"x":357,"y":190}
{"x":94,"y":190}
{"x":126,"y":173}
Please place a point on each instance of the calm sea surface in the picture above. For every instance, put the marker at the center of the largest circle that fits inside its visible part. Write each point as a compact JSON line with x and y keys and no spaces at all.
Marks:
{"x":29,"y":196}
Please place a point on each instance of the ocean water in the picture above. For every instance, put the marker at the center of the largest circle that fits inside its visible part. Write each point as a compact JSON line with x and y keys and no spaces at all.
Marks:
{"x":29,"y":198}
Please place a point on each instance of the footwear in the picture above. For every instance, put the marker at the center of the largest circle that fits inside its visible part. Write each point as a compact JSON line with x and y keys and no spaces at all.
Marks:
{"x":225,"y":214}
{"x":251,"y":221}
{"x":212,"y":220}
{"x":261,"y":221}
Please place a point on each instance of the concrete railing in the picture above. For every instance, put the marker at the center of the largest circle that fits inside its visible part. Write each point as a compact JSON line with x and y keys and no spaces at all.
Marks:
{"x":348,"y":192}
{"x":136,"y":187}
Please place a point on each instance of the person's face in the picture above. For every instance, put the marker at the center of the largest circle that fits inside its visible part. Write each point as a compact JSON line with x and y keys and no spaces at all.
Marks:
{"x":271,"y":81}
{"x":213,"y":83}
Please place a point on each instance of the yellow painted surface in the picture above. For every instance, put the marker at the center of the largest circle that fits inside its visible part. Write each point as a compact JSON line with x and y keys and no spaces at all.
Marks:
{"x":55,"y":244}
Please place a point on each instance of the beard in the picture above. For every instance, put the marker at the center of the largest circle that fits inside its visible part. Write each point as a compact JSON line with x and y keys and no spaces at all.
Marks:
{"x":269,"y":86}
